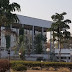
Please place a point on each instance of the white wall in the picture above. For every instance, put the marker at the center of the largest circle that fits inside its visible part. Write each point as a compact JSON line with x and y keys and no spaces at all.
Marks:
{"x":64,"y":53}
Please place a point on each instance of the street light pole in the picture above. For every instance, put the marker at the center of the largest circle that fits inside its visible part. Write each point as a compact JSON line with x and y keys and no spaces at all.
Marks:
{"x":9,"y":59}
{"x":9,"y":55}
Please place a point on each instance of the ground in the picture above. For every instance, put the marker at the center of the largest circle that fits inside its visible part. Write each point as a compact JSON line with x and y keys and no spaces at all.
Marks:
{"x":39,"y":71}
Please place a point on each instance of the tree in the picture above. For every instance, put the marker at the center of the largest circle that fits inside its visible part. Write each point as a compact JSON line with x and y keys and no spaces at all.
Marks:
{"x":39,"y":39}
{"x":22,"y":51}
{"x":58,"y":26}
{"x":7,"y":41}
{"x":21,"y":43}
{"x":6,"y":15}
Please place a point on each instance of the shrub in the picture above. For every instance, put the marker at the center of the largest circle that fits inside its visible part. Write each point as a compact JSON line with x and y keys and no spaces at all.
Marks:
{"x":4,"y":65}
{"x":43,"y":64}
{"x":19,"y":67}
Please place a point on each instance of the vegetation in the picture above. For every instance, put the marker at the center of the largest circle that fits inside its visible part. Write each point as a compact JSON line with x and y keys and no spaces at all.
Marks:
{"x":4,"y":65}
{"x":6,"y":9}
{"x":44,"y":64}
{"x":38,"y":42}
{"x":22,"y":51}
{"x":6,"y":16}
{"x":19,"y":67}
{"x":22,"y":43}
{"x":7,"y":41}
{"x":59,"y":28}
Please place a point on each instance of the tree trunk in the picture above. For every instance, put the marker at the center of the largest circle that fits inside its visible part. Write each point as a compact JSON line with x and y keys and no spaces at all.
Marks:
{"x":60,"y":55}
{"x":59,"y":51}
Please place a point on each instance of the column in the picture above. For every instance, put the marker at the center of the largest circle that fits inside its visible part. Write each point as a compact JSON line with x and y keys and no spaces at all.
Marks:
{"x":42,"y":30}
{"x":29,"y":43}
{"x":42,"y":41}
{"x":32,"y":39}
{"x":50,"y":42}
{"x":71,"y":55}
{"x":51,"y":57}
{"x":22,"y":26}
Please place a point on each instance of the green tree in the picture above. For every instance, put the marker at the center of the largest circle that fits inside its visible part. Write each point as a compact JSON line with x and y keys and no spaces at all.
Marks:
{"x":59,"y":28}
{"x":22,"y":51}
{"x":38,"y":41}
{"x":21,"y":43}
{"x":7,"y":37}
{"x":6,"y":15}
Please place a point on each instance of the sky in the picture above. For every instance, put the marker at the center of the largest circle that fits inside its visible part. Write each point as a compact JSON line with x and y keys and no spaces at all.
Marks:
{"x":44,"y":9}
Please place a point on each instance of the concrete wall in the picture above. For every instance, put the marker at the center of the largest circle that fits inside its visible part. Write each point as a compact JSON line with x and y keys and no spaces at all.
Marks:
{"x":32,"y":57}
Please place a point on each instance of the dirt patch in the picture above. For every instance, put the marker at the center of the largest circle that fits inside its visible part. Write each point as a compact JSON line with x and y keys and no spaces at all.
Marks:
{"x":39,"y":71}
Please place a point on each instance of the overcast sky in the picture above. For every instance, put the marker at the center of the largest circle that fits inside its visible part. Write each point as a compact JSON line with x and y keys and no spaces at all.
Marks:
{"x":44,"y":9}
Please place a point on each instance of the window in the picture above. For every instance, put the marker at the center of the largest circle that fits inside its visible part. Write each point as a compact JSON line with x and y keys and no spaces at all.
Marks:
{"x":63,"y":57}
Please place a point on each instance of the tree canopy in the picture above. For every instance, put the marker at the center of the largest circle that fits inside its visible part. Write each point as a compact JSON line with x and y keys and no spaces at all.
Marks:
{"x":60,"y":27}
{"x":6,"y":9}
{"x":38,"y":43}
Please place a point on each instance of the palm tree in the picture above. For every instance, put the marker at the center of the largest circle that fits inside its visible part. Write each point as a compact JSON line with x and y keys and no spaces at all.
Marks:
{"x":66,"y":38}
{"x":6,"y":15}
{"x":57,"y":27}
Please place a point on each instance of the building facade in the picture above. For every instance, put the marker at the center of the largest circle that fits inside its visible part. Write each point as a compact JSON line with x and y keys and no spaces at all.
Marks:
{"x":32,"y":27}
{"x":66,"y":55}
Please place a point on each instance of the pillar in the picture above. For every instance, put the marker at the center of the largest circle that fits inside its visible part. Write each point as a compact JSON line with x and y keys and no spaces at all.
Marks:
{"x":32,"y":39}
{"x":29,"y":43}
{"x":42,"y":41}
{"x":50,"y":41}
{"x":22,"y":25}
{"x":71,"y":55}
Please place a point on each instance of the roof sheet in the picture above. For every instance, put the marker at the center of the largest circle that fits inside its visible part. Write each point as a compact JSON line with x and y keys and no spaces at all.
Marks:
{"x":34,"y":21}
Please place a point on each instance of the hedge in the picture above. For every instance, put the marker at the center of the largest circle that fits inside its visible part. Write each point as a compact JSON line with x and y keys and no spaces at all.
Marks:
{"x":4,"y":65}
{"x":43,"y":64}
{"x":19,"y":67}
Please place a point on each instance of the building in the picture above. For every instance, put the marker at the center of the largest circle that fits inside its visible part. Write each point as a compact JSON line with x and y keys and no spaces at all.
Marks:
{"x":32,"y":26}
{"x":66,"y":55}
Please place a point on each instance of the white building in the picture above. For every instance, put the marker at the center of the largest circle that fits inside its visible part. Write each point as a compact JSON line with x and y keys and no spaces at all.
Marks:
{"x":32,"y":26}
{"x":66,"y":55}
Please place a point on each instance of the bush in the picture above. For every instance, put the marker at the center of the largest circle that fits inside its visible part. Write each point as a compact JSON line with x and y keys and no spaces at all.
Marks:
{"x":4,"y":65}
{"x":19,"y":67}
{"x":44,"y":64}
